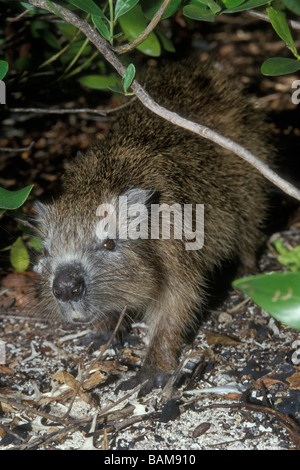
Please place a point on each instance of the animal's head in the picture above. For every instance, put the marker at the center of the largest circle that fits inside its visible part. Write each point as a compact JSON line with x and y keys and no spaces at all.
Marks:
{"x":97,"y":259}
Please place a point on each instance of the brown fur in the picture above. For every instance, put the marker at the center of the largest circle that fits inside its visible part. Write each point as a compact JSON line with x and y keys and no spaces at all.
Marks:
{"x":160,"y":280}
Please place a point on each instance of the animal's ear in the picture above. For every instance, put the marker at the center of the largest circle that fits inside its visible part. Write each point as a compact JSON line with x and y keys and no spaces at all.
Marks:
{"x":141,"y":196}
{"x":133,"y":210}
{"x":78,"y":156}
{"x":42,"y":211}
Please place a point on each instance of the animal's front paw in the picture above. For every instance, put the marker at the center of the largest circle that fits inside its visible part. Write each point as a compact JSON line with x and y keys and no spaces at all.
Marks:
{"x":153,"y":378}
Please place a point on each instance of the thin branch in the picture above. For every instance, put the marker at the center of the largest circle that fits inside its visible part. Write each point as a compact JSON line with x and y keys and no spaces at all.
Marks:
{"x":153,"y":23}
{"x":101,"y":112}
{"x":20,"y":149}
{"x":105,"y":416}
{"x":30,"y":410}
{"x":19,"y":17}
{"x":263,"y":16}
{"x":143,"y":96}
{"x":224,"y":142}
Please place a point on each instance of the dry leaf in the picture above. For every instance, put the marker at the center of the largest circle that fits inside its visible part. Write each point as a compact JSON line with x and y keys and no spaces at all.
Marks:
{"x":15,"y":281}
{"x":214,"y":338}
{"x":232,"y":396}
{"x":110,"y":367}
{"x":268,"y":381}
{"x":5,"y":370}
{"x":60,"y":397}
{"x":294,"y":381}
{"x":94,"y":379}
{"x":65,"y":378}
{"x":6,"y":408}
{"x":201,"y":429}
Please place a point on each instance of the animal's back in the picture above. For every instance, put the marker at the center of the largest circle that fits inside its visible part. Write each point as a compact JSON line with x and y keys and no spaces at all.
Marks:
{"x":148,"y":158}
{"x":143,"y":150}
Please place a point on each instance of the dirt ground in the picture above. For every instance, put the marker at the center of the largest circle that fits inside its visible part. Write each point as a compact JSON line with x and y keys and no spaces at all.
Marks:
{"x":238,"y":384}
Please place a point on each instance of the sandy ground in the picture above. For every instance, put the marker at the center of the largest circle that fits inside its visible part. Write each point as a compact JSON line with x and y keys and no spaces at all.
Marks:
{"x":239,"y":382}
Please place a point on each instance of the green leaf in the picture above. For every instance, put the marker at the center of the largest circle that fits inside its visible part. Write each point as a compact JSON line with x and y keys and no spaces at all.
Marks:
{"x":280,"y":66}
{"x":10,"y":200}
{"x":212,"y":5}
{"x":30,"y":7}
{"x":36,"y":243}
{"x":198,"y":13}
{"x":88,"y":6}
{"x":102,"y":27}
{"x":133,"y":23}
{"x":165,"y":41}
{"x":116,"y":89}
{"x":100,"y":82}
{"x":150,"y":7}
{"x":232,"y":3}
{"x":74,"y":49}
{"x":128,"y":76}
{"x":246,"y":6}
{"x":290,"y":258}
{"x":19,"y":256}
{"x":67,"y":30}
{"x":281,"y":27}
{"x":3,"y":68}
{"x":123,"y":6}
{"x":54,"y":9}
{"x":293,"y":5}
{"x":51,"y":39}
{"x":40,"y":29}
{"x":22,"y":63}
{"x":37,"y":28}
{"x":277,"y":293}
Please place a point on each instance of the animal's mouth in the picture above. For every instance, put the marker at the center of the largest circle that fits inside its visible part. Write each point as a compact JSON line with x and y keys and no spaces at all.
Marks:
{"x":80,"y":321}
{"x":77,"y":316}
{"x":74,"y":315}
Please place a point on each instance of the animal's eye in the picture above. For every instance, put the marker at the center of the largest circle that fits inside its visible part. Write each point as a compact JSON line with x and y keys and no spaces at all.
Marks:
{"x":109,"y":244}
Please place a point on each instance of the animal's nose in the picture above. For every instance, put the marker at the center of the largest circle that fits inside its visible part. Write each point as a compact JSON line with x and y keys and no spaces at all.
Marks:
{"x":68,"y":284}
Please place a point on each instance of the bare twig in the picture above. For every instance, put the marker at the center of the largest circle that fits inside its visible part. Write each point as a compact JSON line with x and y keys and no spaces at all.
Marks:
{"x":102,"y":112}
{"x":153,"y":23}
{"x":22,"y":149}
{"x":263,"y":16}
{"x":26,"y":223}
{"x":71,"y":424}
{"x":104,"y":48}
{"x":19,"y":17}
{"x":12,"y":432}
{"x":31,"y":410}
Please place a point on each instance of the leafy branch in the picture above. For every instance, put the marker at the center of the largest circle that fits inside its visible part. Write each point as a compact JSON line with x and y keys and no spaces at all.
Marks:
{"x":153,"y":23}
{"x":105,"y":49}
{"x":281,"y":65}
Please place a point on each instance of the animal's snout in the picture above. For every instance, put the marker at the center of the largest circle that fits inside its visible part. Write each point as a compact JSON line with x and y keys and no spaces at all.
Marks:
{"x":69,"y":284}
